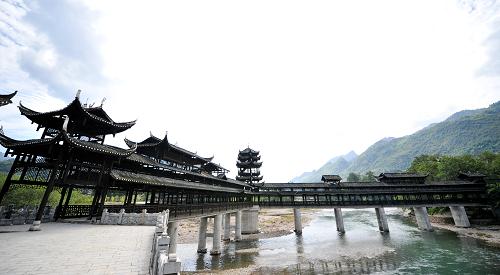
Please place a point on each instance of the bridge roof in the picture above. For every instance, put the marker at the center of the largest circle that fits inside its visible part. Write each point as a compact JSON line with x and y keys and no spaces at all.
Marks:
{"x":139,"y":178}
{"x":86,"y":121}
{"x":355,"y":184}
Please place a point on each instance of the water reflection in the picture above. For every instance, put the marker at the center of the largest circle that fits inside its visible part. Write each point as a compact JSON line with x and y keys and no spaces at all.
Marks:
{"x":361,"y":250}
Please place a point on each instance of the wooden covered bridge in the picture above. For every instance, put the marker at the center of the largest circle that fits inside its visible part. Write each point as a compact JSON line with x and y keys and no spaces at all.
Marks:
{"x":71,"y":154}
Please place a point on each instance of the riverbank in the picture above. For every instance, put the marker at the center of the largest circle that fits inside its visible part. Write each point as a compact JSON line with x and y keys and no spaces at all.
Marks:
{"x":487,"y":233}
{"x":272,"y":223}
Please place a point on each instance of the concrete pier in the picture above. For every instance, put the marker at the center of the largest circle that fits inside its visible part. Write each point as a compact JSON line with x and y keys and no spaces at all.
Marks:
{"x":237,"y":227}
{"x":172,"y":229}
{"x":459,"y":216}
{"x":382,"y":219}
{"x":227,"y":227}
{"x":339,"y":220}
{"x":250,"y":220}
{"x":202,"y":236}
{"x":298,"y":221}
{"x":422,"y":217}
{"x":216,"y":247}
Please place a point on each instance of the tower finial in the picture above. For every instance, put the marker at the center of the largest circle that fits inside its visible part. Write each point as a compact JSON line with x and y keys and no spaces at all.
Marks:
{"x":78,"y":93}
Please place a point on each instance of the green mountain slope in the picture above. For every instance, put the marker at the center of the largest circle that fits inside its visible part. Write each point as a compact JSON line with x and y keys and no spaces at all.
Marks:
{"x":339,"y":163}
{"x":465,"y":132}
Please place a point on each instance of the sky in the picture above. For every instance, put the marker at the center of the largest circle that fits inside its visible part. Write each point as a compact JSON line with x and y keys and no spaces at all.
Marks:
{"x":301,"y":81}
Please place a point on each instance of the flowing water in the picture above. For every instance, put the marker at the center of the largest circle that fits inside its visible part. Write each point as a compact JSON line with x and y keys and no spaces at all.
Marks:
{"x":361,"y":250}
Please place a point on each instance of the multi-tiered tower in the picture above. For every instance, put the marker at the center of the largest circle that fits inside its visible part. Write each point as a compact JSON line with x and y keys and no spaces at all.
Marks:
{"x":249,"y":166}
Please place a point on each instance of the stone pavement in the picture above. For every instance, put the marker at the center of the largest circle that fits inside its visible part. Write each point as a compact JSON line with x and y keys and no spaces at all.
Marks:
{"x":64,"y":248}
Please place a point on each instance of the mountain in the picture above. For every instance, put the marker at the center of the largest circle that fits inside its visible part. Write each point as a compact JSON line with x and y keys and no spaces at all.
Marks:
{"x":338,"y":163}
{"x":465,"y":132}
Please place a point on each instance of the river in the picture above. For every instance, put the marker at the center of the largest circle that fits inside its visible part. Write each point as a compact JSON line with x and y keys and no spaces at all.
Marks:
{"x":361,"y":250}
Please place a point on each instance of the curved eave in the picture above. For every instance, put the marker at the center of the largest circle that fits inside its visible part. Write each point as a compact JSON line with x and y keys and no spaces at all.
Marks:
{"x":11,"y":143}
{"x":34,"y":115}
{"x":99,"y":148}
{"x":6,"y":99}
{"x":8,"y":96}
{"x":248,"y":164}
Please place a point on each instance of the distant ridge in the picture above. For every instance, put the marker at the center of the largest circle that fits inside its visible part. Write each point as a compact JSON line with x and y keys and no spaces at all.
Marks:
{"x":465,"y":132}
{"x":338,"y":163}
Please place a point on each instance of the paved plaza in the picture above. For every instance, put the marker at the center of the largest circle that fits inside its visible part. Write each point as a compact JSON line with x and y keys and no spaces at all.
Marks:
{"x":64,"y":248}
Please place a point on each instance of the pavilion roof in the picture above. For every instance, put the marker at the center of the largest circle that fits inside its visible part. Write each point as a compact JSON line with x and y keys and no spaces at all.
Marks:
{"x":47,"y":147}
{"x":6,"y":99}
{"x":86,"y":121}
{"x":330,"y":178}
{"x":401,"y":175}
{"x":140,"y":178}
{"x":249,"y":151}
{"x":162,"y":149}
{"x":138,"y":158}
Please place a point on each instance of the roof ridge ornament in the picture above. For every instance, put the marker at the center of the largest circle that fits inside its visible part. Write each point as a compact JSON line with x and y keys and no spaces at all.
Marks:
{"x":102,"y":101}
{"x":78,"y":93}
{"x":65,"y":124}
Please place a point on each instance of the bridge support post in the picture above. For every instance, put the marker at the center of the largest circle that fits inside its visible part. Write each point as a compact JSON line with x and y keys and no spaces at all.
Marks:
{"x":237,"y":228}
{"x":227,"y":227}
{"x":298,"y":221}
{"x":202,"y":236}
{"x":172,"y":233}
{"x":459,"y":216}
{"x":216,"y":250}
{"x":250,"y":220}
{"x":339,"y":220}
{"x":422,"y":217}
{"x":382,"y":219}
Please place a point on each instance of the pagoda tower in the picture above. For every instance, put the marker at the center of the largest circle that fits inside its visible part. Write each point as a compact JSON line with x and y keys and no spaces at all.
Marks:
{"x":249,"y":166}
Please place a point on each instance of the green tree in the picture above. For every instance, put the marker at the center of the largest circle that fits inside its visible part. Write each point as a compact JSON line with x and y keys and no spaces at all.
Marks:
{"x":353,"y":177}
{"x":368,"y":176}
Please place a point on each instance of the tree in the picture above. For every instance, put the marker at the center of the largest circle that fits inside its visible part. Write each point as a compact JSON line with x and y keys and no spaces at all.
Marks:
{"x":368,"y":176}
{"x":353,"y":177}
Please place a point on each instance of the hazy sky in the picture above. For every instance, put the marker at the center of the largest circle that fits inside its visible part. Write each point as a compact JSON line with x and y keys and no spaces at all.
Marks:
{"x":301,"y":81}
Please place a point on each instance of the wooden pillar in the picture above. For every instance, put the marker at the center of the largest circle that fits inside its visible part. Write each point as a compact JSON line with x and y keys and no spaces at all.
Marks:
{"x":39,"y":214}
{"x":7,"y":182}
{"x":135,"y":197}
{"x":68,"y":197}
{"x":59,"y":205}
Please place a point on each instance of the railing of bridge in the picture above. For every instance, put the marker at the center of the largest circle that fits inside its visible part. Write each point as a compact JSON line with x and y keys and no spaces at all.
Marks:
{"x":176,"y":210}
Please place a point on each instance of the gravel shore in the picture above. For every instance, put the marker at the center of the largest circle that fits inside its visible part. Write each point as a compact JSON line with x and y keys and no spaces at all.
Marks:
{"x":272,"y":223}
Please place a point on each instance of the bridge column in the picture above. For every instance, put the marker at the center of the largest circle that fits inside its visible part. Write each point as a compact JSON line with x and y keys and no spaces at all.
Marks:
{"x":459,"y":216}
{"x":298,"y":221}
{"x":422,"y":217}
{"x":237,"y":229}
{"x":339,"y":220}
{"x":227,"y":227}
{"x":382,"y":219}
{"x":202,"y":236}
{"x":216,"y":250}
{"x":250,"y":220}
{"x":172,"y":233}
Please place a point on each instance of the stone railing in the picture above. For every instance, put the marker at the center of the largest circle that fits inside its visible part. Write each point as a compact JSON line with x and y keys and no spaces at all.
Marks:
{"x":161,"y":262}
{"x":143,"y":218}
{"x":23,"y":215}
